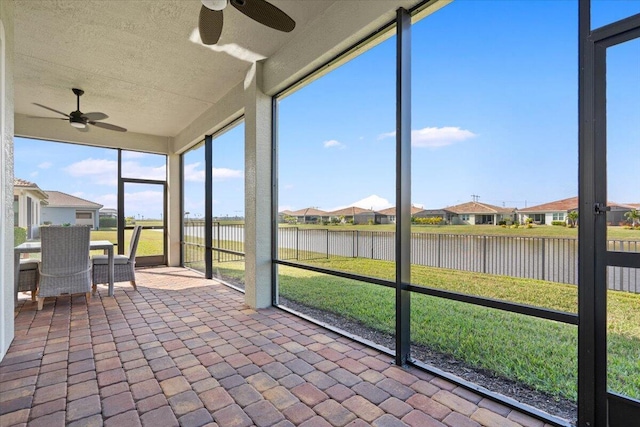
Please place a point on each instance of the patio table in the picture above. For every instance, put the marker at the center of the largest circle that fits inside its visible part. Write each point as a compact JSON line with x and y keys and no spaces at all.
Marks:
{"x":34,"y":247}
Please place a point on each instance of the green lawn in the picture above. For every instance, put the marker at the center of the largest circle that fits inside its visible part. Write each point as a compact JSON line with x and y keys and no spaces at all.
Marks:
{"x":537,"y":352}
{"x":150,"y":243}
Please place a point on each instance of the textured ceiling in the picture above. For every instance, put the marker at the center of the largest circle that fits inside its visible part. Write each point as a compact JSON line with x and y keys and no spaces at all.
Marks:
{"x":135,"y":60}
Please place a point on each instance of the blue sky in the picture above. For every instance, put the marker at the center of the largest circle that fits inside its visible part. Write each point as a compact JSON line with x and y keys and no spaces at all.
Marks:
{"x":494,"y":114}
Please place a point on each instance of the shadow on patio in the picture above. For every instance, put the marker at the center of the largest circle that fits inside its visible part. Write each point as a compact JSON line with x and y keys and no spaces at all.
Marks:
{"x":186,"y":351}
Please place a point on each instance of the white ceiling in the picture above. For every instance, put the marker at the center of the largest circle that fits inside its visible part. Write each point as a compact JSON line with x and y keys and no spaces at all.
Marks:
{"x":136,"y":62}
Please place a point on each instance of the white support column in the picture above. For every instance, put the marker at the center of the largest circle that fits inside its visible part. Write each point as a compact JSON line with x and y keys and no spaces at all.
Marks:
{"x":174,"y":218}
{"x":258,"y":221}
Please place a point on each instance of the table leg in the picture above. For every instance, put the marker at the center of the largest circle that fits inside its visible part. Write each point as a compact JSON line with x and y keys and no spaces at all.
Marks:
{"x":111,"y":273}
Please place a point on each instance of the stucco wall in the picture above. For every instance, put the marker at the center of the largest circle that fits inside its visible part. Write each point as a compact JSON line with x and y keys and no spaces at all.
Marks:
{"x":6,"y":175}
{"x":59,"y":216}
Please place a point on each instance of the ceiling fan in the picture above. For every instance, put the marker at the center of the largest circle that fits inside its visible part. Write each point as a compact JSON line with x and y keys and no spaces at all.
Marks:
{"x":80,"y":120}
{"x":210,"y":24}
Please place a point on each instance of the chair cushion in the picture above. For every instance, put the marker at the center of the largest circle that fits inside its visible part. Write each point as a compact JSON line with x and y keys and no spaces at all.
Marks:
{"x":29,"y":264}
{"x":104,"y":259}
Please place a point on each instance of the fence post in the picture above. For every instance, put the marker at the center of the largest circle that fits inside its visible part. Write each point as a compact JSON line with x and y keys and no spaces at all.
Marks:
{"x":484,"y":252}
{"x":218,"y":227}
{"x":371,"y":244}
{"x":357,"y":243}
{"x":544,"y":258}
{"x":438,"y":248}
{"x":297,"y":244}
{"x":327,"y":243}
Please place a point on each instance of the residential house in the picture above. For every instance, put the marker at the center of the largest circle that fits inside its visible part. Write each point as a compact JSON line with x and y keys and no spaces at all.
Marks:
{"x":356,"y":215}
{"x":64,"y":208}
{"x":476,"y":213}
{"x":309,"y":215}
{"x":548,"y":213}
{"x":446,"y":215}
{"x":389,"y":214}
{"x":28,"y":201}
{"x":108,"y":213}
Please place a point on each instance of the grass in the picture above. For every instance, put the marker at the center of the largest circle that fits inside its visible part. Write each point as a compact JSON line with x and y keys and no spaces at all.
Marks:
{"x":151,"y":242}
{"x":537,"y":352}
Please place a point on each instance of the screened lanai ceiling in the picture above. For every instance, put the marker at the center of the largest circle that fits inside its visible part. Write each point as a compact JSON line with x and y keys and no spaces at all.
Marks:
{"x":141,"y":62}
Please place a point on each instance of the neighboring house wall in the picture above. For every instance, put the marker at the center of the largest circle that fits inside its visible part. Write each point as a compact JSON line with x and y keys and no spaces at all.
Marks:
{"x":58,"y":216}
{"x":62,"y":215}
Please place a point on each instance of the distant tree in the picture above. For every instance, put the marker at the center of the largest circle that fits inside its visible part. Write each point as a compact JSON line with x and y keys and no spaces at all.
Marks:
{"x":633,"y":216}
{"x":573,"y":218}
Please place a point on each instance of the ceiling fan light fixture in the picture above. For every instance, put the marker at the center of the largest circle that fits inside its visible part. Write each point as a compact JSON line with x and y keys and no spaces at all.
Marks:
{"x":76,"y":123}
{"x":215,"y":4}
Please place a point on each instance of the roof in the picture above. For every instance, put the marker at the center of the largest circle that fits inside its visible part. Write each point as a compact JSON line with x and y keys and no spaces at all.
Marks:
{"x":478,"y":208}
{"x":58,"y":199}
{"x":350,"y":211}
{"x":28,"y":185}
{"x":308,"y":212}
{"x":563,"y":205}
{"x":567,"y":205}
{"x":392,"y":210}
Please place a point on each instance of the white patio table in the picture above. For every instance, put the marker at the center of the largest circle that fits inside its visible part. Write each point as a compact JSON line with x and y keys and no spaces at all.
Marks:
{"x":34,"y":247}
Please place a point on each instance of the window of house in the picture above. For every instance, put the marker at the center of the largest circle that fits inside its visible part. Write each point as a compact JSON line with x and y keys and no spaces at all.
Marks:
{"x":558,"y":216}
{"x":464,"y":217}
{"x":83,"y":215}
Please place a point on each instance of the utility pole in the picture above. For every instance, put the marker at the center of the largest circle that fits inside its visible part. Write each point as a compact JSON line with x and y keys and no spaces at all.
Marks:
{"x":475,"y":197}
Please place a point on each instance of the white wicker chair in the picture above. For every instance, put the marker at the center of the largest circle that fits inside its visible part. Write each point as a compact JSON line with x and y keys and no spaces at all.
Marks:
{"x":124,"y":268}
{"x":65,"y":267}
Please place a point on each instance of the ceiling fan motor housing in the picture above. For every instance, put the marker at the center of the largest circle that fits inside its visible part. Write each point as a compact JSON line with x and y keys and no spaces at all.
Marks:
{"x":77,"y":121}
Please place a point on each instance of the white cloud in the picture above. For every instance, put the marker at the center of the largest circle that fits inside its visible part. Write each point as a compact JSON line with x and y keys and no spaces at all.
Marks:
{"x":101,"y":171}
{"x":371,"y":202}
{"x":133,"y":155}
{"x":45,"y":165}
{"x":225,"y":173}
{"x":136,"y":170}
{"x":435,"y":137}
{"x":192,"y":173}
{"x":33,"y":174}
{"x":332,"y":143}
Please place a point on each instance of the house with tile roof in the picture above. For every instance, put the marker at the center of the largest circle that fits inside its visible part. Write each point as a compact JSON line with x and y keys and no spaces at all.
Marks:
{"x":389,"y":214}
{"x":476,"y":213}
{"x":547,"y":213}
{"x":309,"y":215}
{"x":358,"y":215}
{"x":64,"y":208}
{"x":28,"y":202}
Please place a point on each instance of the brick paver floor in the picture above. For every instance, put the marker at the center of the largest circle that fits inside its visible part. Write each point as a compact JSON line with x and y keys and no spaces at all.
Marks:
{"x":186,"y":351}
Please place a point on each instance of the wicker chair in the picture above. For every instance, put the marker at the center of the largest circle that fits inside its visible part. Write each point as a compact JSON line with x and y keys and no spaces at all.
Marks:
{"x":29,"y":276}
{"x":65,"y":266}
{"x":124,"y":268}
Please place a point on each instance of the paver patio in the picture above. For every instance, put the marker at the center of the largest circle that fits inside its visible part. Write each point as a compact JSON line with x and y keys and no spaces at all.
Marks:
{"x":187,"y":351}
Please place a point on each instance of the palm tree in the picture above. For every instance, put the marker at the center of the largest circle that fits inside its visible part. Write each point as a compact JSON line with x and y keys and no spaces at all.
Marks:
{"x":573,"y":218}
{"x":633,"y":216}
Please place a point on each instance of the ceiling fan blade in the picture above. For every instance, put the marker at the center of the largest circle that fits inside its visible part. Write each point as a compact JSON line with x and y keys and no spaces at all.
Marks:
{"x":210,"y":25}
{"x":265,"y":13}
{"x":52,"y":118}
{"x":95,"y":116}
{"x":50,"y":109}
{"x":108,"y":126}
